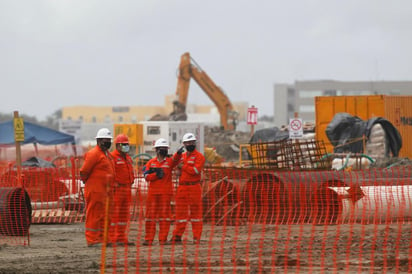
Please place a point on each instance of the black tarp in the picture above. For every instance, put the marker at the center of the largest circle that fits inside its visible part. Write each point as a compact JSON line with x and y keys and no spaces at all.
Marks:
{"x":345,"y":133}
{"x":37,"y":162}
{"x":269,"y":135}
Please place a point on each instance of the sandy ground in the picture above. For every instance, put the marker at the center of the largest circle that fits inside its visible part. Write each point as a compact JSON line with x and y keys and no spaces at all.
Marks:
{"x":224,"y":249}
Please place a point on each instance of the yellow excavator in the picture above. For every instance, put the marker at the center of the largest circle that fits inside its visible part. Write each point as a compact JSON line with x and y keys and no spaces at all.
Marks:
{"x":188,"y":69}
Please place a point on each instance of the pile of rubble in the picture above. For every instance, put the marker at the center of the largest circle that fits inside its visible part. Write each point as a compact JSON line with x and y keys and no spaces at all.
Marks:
{"x":225,"y":143}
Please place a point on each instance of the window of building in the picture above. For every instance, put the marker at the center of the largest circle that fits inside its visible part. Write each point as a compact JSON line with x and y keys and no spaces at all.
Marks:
{"x":120,"y":119}
{"x":120,"y":109}
{"x":107,"y":119}
{"x":330,"y":92}
{"x":81,"y":117}
{"x":69,"y":118}
{"x":354,"y":92}
{"x":134,"y":119}
{"x":153,"y":130}
{"x":309,"y":93}
{"x":94,"y":119}
{"x":307,"y":108}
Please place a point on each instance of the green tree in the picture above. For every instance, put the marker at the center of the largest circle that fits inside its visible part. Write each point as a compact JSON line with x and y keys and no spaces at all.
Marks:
{"x":52,"y":121}
{"x":7,"y":117}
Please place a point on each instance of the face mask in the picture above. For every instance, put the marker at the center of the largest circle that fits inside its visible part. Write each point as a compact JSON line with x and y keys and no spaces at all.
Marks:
{"x":162,"y":152}
{"x":125,"y":148}
{"x":190,"y":148}
{"x":105,"y":145}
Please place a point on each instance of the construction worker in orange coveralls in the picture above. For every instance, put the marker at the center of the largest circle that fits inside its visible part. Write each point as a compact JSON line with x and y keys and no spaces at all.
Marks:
{"x":158,"y":173}
{"x":189,"y":192}
{"x":97,"y":172}
{"x":122,"y":191}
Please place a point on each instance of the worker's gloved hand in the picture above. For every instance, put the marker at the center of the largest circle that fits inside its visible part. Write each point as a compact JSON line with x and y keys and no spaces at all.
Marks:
{"x":160,"y":173}
{"x":150,"y":171}
{"x":181,"y":149}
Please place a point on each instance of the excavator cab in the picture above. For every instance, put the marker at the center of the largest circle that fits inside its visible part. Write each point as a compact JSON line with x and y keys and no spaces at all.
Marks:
{"x":179,"y":112}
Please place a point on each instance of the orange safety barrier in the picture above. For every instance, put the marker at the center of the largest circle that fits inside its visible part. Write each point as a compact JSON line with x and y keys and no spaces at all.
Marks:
{"x":262,"y":221}
{"x":267,"y":221}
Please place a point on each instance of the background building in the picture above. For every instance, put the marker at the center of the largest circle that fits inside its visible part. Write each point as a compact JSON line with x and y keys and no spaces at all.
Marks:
{"x":299,"y":97}
{"x":134,"y":114}
{"x":84,"y":121}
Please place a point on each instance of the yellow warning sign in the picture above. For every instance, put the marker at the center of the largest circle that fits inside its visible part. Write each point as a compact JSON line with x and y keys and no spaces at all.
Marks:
{"x":18,"y":129}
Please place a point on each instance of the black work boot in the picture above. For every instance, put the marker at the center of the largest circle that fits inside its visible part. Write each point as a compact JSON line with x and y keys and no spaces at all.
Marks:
{"x":147,"y":243}
{"x":176,"y":240}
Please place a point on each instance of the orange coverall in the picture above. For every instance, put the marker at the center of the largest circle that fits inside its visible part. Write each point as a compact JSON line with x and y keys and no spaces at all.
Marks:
{"x":189,"y":195}
{"x":122,"y":197}
{"x":159,"y":197}
{"x":98,"y":174}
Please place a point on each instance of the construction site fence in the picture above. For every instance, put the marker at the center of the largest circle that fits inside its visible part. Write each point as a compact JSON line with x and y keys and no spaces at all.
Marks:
{"x":235,"y":203}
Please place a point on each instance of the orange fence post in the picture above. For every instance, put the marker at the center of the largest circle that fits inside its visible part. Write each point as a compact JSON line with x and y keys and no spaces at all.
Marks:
{"x":106,"y":228}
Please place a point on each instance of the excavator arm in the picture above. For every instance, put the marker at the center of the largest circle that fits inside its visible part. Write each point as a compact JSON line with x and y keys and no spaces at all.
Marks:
{"x":188,"y":69}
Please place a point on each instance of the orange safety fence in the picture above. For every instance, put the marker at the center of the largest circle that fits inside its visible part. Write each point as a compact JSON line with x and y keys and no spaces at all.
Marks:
{"x":254,"y":220}
{"x":52,"y":195}
{"x":260,"y":221}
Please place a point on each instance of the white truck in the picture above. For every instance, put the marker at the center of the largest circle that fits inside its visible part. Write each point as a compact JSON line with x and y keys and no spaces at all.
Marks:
{"x":173,"y":131}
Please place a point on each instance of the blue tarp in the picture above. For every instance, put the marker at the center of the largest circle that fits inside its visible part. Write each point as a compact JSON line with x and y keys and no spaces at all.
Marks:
{"x":34,"y":134}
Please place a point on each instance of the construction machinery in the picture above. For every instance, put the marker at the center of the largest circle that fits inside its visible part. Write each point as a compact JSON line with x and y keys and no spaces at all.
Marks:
{"x":189,"y":69}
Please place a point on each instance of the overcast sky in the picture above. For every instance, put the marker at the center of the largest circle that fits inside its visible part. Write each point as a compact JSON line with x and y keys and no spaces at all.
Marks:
{"x":56,"y":53}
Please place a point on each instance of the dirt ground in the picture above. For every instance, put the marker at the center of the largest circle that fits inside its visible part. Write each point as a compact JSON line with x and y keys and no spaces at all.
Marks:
{"x":248,"y":248}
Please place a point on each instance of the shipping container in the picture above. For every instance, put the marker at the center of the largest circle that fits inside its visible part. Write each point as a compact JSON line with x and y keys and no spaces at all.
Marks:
{"x":396,"y":109}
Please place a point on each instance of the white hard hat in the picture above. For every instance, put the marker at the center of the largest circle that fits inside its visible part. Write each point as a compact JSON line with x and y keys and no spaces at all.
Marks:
{"x":189,"y":137}
{"x":161,"y":142}
{"x":104,"y":133}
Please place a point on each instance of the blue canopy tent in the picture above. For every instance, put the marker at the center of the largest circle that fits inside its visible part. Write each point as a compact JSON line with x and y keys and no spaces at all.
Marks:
{"x":34,"y":134}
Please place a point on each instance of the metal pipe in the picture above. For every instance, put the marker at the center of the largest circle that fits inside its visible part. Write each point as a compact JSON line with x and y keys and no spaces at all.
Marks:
{"x":381,"y":204}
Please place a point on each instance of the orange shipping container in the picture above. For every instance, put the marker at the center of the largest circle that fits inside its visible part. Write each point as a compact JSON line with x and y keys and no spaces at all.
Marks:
{"x":396,"y":109}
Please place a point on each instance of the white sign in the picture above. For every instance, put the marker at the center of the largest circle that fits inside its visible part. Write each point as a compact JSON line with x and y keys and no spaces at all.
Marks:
{"x":295,"y":128}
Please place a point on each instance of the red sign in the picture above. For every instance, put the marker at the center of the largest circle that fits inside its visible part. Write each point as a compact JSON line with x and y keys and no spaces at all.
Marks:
{"x":252,"y":113}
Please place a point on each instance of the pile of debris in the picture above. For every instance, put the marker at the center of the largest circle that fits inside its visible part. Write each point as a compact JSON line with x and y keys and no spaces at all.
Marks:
{"x":226,"y":143}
